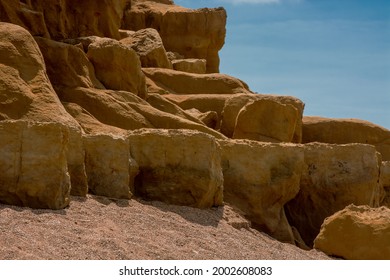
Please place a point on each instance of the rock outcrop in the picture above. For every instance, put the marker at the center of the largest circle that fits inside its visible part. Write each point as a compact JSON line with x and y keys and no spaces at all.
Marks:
{"x":62,"y":19}
{"x":123,"y":99}
{"x":165,"y":81}
{"x":178,"y":166}
{"x":259,"y":179}
{"x":27,"y":94}
{"x":191,"y":33}
{"x":266,"y":120}
{"x":234,"y":104}
{"x":149,"y":47}
{"x":117,"y":66}
{"x":356,"y":233}
{"x":33,"y":164}
{"x":333,"y":177}
{"x":344,"y":131}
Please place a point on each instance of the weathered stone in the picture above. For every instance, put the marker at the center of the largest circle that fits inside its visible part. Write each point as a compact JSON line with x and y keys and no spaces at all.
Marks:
{"x":125,"y":110}
{"x":89,"y":123}
{"x":210,"y":118}
{"x":161,"y":103}
{"x":192,"y":33}
{"x":166,"y":81}
{"x":385,"y":181}
{"x":148,"y":45}
{"x":117,"y":66}
{"x":344,"y":131}
{"x":259,"y":179}
{"x":235,"y":103}
{"x":61,"y":19}
{"x":178,"y":166}
{"x":190,"y":65}
{"x":19,"y":13}
{"x":334,"y":176}
{"x":110,"y":170}
{"x":356,"y":233}
{"x":67,"y":65}
{"x":27,"y":94}
{"x":125,"y":33}
{"x":174,"y":55}
{"x":33,"y":166}
{"x":201,"y":102}
{"x":266,"y":120}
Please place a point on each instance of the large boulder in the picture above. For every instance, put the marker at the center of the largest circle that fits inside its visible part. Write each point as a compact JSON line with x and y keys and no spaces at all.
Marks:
{"x":110,"y":170}
{"x":148,"y":45}
{"x":343,"y":131}
{"x":178,"y":166}
{"x":166,"y":81}
{"x":235,"y":103}
{"x":356,"y":233}
{"x":192,"y":33}
{"x":117,"y":66}
{"x":259,"y":179}
{"x":33,"y":165}
{"x":333,"y":177}
{"x":266,"y":120}
{"x":61,"y":19}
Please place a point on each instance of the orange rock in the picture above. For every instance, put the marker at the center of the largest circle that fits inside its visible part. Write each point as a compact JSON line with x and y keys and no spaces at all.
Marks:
{"x":356,"y":233}
{"x":167,"y":81}
{"x":192,"y":33}
{"x":343,"y":131}
{"x":178,"y":166}
{"x":266,"y":120}
{"x":148,"y":45}
{"x":259,"y":179}
{"x":333,"y":177}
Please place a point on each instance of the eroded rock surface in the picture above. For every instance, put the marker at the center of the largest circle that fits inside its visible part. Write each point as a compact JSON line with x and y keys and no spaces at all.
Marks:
{"x":191,"y":33}
{"x":259,"y":179}
{"x":178,"y":166}
{"x":149,"y":47}
{"x":333,"y":177}
{"x":61,"y":19}
{"x":33,"y":164}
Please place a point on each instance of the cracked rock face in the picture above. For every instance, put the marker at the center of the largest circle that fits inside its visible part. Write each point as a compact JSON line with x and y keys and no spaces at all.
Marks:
{"x":333,"y":177}
{"x":180,"y":167}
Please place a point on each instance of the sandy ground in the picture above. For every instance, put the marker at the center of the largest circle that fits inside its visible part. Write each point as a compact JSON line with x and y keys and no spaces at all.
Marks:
{"x":100,"y":228}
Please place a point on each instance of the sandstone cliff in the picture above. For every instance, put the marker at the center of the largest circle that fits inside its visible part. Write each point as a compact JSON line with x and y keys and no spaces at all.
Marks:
{"x":124,"y":99}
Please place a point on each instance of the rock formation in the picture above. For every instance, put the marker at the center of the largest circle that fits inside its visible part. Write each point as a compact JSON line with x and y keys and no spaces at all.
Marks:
{"x":333,"y":177}
{"x":344,"y":131}
{"x":124,"y":99}
{"x":191,"y":33}
{"x":356,"y":233}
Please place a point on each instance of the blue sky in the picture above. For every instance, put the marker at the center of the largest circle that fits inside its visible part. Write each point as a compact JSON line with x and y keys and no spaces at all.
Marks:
{"x":332,"y":54}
